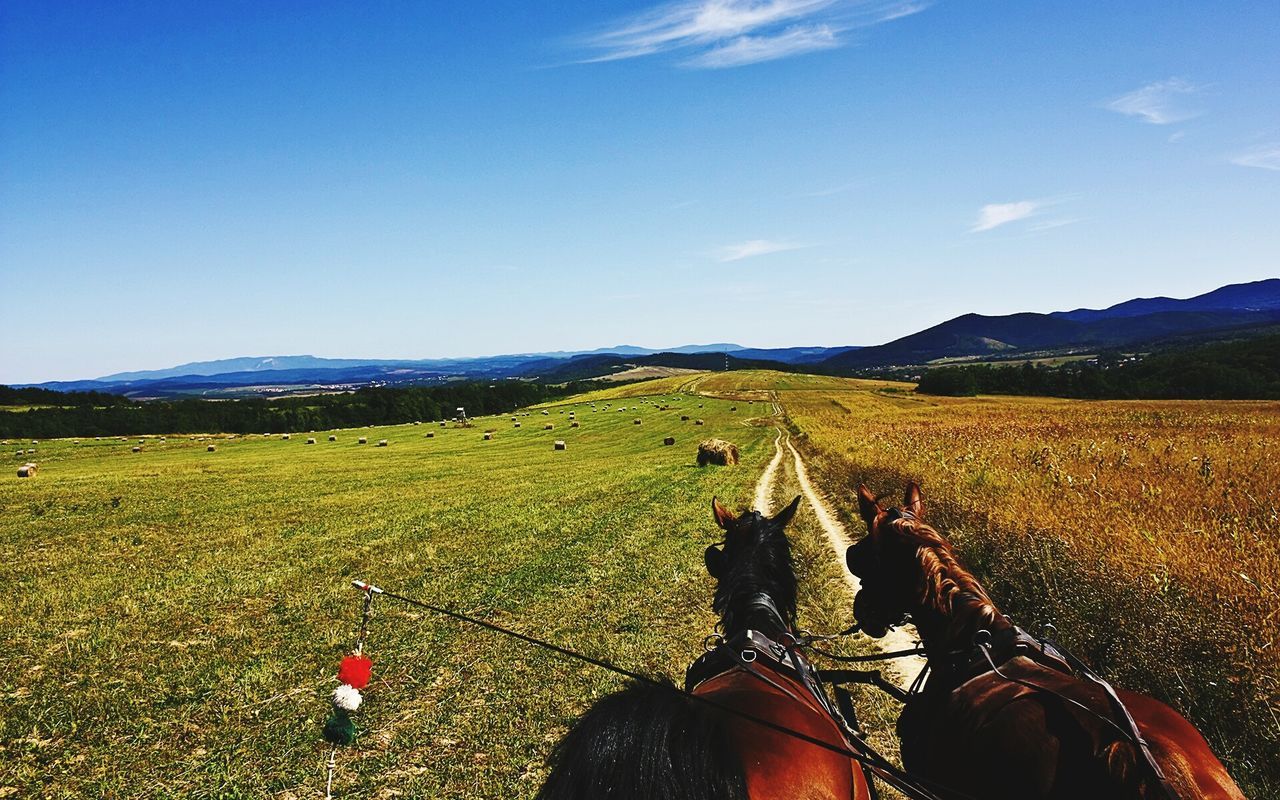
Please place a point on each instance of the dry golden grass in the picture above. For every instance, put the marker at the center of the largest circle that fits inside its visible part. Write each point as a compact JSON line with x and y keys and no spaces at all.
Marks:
{"x":1146,"y":531}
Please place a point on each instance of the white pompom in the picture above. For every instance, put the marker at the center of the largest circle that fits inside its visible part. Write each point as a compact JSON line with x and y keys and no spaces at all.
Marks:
{"x":347,"y":698}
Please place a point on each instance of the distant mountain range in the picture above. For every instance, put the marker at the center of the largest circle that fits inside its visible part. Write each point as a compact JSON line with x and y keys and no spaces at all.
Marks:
{"x":1132,"y":322}
{"x":1228,"y":311}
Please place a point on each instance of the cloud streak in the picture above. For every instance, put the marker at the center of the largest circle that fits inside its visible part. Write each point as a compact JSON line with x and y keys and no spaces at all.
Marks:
{"x":752,"y":248}
{"x":1265,"y":156}
{"x":717,"y":34}
{"x":993,"y":215}
{"x":1158,"y":103}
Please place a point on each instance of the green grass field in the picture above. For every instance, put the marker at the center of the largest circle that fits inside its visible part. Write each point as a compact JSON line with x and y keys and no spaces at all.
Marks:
{"x":175,"y":616}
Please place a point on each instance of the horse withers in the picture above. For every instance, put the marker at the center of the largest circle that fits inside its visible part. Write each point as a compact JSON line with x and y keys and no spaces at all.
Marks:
{"x":1002,"y":714}
{"x":732,"y":734}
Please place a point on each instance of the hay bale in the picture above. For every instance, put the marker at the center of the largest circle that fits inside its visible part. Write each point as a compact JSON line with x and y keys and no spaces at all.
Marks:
{"x":311,"y":440}
{"x":431,"y":435}
{"x":697,"y":422}
{"x":443,"y":423}
{"x":212,"y":448}
{"x":285,"y":436}
{"x":635,"y":421}
{"x":137,"y":449}
{"x":684,"y":417}
{"x":362,"y":440}
{"x":333,"y":438}
{"x":670,"y":440}
{"x":27,"y":471}
{"x":573,"y":424}
{"x":513,"y":419}
{"x":517,"y":425}
{"x":488,"y":436}
{"x":548,"y":427}
{"x":382,"y":443}
{"x":559,"y":444}
{"x":717,"y":451}
{"x":733,"y":408}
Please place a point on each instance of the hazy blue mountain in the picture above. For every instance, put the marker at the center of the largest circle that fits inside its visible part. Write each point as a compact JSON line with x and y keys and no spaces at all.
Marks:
{"x":1137,"y":321}
{"x":1256,"y":296}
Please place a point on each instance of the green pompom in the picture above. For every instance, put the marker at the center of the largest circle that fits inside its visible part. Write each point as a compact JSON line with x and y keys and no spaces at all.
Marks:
{"x":339,"y":728}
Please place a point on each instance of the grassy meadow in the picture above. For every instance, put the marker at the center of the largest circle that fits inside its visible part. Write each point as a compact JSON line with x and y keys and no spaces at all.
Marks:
{"x":176,"y":616}
{"x":1145,"y":531}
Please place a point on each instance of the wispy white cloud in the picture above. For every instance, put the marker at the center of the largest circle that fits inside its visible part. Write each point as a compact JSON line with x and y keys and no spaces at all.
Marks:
{"x":715,"y":34}
{"x":753,"y":247}
{"x":832,"y":190}
{"x":993,"y":215}
{"x":1159,"y":103}
{"x":1050,"y":224}
{"x":1266,"y":156}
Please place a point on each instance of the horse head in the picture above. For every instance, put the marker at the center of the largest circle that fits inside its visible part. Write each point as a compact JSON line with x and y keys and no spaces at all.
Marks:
{"x":887,"y":561}
{"x":754,"y":560}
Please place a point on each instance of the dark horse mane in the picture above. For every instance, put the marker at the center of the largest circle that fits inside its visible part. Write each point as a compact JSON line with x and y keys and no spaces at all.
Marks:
{"x":757,"y":560}
{"x":653,"y":741}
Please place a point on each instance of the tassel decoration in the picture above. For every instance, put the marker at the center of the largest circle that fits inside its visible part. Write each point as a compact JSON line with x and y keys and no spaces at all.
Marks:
{"x":355,"y":670}
{"x":347,"y":698}
{"x":339,"y":728}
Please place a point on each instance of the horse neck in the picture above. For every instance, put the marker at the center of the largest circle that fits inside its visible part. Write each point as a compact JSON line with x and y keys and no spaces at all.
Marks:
{"x":953,"y":606}
{"x":747,"y":612}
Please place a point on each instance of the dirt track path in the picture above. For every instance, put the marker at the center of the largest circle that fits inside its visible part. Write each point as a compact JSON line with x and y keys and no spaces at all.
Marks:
{"x":903,"y":671}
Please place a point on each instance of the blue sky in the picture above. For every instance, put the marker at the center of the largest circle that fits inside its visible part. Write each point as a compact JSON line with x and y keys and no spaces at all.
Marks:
{"x":183,"y":181}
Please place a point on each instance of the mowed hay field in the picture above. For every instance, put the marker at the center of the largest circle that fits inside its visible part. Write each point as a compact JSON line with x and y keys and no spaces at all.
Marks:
{"x":174,"y":618}
{"x":1146,"y":532}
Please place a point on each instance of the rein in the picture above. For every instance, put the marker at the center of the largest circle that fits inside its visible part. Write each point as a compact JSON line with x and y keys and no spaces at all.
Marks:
{"x":911,"y":786}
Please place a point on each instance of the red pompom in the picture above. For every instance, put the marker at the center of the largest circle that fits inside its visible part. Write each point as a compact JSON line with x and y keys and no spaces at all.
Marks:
{"x":355,"y":671}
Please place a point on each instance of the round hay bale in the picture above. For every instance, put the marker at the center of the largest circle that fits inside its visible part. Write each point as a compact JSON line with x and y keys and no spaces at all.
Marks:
{"x":137,"y":449}
{"x":697,"y":422}
{"x":517,"y":425}
{"x":513,"y":419}
{"x":311,"y":440}
{"x":333,"y":438}
{"x":684,"y":417}
{"x":546,"y":413}
{"x":717,"y":451}
{"x":573,"y":424}
{"x":443,"y":423}
{"x":488,"y":436}
{"x":635,"y":421}
{"x":27,"y":471}
{"x":548,"y":427}
{"x":670,"y":440}
{"x":382,"y":443}
{"x":431,"y":435}
{"x":362,"y":440}
{"x":559,"y":444}
{"x":285,"y":436}
{"x":212,"y":448}
{"x":733,"y":408}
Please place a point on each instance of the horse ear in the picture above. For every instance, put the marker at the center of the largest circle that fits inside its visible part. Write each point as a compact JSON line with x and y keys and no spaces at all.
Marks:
{"x":912,"y":501}
{"x":784,"y":516}
{"x":867,"y":506}
{"x":724,"y":517}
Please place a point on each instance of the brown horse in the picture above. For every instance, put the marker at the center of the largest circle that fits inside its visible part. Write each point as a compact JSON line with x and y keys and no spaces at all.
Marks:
{"x":658,"y":743}
{"x":1002,"y":714}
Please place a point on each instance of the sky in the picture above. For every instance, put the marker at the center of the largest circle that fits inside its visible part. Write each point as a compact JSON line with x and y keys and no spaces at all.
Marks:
{"x":183,"y":181}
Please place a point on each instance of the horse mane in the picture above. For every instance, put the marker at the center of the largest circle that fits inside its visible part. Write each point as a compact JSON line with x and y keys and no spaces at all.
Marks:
{"x":647,"y":742}
{"x":756,"y":562}
{"x":945,"y":579}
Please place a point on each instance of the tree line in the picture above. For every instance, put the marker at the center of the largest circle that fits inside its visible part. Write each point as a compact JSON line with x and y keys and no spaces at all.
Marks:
{"x":96,"y":414}
{"x":1242,"y":370}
